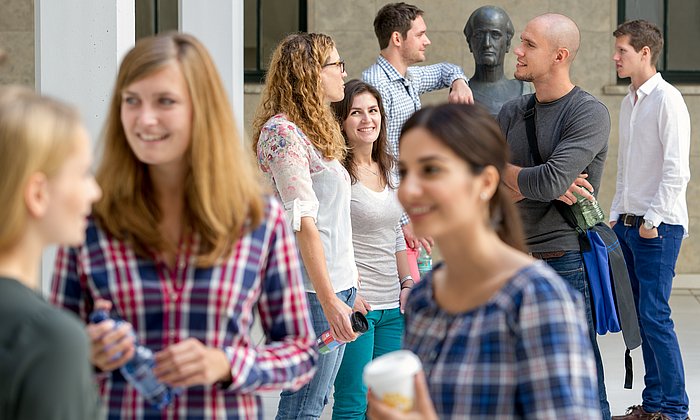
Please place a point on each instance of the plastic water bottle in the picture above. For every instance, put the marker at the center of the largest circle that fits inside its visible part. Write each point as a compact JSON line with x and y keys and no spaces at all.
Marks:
{"x":425,"y":262}
{"x":139,"y":370}
{"x":326,"y":343}
{"x":590,"y":210}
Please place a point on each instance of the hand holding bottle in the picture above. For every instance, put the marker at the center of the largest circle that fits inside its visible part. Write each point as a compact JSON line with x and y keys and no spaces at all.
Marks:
{"x":581,"y":187}
{"x":110,"y":347}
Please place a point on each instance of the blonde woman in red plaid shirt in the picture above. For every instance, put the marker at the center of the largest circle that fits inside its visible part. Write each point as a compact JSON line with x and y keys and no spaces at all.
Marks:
{"x":184,"y":246}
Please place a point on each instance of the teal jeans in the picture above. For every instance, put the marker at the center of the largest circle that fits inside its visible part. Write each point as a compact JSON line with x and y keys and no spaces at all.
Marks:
{"x":384,"y":335}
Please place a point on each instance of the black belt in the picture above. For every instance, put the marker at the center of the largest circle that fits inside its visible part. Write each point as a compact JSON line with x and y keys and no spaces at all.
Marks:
{"x":631,"y":220}
{"x":548,"y":255}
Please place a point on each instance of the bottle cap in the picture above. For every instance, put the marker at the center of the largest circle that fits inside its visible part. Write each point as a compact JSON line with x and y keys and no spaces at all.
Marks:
{"x":98,"y":316}
{"x":359,"y":322}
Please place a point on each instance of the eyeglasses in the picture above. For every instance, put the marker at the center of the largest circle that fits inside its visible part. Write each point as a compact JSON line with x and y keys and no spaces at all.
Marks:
{"x":339,"y":63}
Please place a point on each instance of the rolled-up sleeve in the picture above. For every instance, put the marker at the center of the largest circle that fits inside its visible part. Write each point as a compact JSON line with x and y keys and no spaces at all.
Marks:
{"x":284,"y":154}
{"x":436,"y":76}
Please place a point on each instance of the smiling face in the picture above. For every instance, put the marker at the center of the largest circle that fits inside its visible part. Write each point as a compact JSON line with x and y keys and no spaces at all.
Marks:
{"x":332,"y":79}
{"x":156,"y":113}
{"x":535,"y":55}
{"x":364,"y":121}
{"x":437,"y":189}
{"x":71,"y":193}
{"x":413,"y":47}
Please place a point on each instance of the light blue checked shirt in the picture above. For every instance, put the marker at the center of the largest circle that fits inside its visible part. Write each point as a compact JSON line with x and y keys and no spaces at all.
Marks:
{"x":401,"y":95}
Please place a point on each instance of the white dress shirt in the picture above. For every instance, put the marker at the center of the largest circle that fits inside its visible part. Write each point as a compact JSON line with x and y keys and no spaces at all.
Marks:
{"x":653,"y":164}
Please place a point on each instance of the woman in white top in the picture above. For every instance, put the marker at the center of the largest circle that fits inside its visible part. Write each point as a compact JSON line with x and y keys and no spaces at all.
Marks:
{"x":380,"y":248}
{"x":299,"y":148}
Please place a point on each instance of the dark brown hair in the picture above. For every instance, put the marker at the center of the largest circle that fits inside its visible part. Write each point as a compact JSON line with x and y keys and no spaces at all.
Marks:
{"x":394,"y":17}
{"x":380,"y":151}
{"x":473,"y":135}
{"x":642,"y":34}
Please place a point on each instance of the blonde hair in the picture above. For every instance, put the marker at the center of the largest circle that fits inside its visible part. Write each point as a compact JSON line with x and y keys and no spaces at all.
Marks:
{"x":293,"y":87}
{"x":37,"y":134}
{"x":222,"y":193}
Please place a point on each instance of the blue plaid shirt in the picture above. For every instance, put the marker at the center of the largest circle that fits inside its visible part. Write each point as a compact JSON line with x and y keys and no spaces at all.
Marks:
{"x":401,"y":95}
{"x":523,"y":354}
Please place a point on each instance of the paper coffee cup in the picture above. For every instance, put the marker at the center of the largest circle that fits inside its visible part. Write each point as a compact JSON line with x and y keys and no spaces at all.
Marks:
{"x":390,"y":377}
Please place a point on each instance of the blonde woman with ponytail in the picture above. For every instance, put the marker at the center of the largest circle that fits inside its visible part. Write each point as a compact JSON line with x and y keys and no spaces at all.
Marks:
{"x":46,"y":190}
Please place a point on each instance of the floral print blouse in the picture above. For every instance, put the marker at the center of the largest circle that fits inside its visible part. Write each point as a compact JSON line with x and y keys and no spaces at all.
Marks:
{"x":310,"y":185}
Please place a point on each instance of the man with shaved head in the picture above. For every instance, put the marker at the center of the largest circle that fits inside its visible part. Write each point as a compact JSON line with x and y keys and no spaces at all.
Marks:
{"x":572,"y":129}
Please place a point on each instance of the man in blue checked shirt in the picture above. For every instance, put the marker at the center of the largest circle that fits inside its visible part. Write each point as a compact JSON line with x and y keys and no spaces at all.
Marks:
{"x":400,"y":30}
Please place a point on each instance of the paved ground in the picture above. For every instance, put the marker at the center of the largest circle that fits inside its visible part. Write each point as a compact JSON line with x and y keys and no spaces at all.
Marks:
{"x":685,"y":302}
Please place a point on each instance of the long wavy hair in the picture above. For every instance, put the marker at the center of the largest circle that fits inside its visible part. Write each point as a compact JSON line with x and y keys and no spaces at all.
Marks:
{"x":37,"y":134}
{"x":473,"y":135}
{"x":380,"y":151}
{"x":293,"y":87}
{"x":222,"y":192}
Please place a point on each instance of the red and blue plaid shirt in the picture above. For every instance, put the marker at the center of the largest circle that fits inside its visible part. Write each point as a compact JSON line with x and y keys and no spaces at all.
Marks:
{"x":212,"y":304}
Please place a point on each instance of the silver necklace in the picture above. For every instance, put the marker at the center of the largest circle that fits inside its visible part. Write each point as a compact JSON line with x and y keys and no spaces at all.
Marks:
{"x":371,"y":171}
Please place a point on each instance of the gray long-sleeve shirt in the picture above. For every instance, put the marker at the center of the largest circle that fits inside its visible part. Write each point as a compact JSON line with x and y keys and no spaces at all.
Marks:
{"x":572,"y":135}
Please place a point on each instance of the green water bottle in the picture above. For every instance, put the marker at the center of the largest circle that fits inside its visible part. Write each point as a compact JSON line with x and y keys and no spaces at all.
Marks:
{"x":425,"y":262}
{"x":590,"y":210}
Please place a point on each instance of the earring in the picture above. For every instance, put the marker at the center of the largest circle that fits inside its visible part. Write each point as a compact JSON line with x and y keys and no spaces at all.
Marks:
{"x":484,"y":195}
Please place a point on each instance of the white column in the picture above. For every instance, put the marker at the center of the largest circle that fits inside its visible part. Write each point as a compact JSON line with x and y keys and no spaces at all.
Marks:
{"x":219,"y":25}
{"x":79,"y":44}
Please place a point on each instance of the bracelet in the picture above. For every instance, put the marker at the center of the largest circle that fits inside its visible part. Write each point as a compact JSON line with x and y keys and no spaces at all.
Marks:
{"x":406,"y":278}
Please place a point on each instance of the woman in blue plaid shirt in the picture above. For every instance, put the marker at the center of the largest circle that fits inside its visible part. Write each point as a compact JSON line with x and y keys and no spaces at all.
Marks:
{"x":500,"y":335}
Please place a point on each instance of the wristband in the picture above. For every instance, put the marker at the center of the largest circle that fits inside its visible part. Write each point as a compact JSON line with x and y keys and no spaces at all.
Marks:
{"x":405,"y":279}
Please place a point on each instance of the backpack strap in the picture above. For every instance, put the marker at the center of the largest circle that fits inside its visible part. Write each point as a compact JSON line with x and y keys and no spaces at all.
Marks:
{"x":529,"y":118}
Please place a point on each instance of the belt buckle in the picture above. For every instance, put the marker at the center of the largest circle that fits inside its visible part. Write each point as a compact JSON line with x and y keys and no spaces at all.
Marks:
{"x":628,"y":219}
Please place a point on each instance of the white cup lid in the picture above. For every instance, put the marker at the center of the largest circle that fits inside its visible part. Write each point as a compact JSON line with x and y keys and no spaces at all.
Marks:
{"x":392,"y":366}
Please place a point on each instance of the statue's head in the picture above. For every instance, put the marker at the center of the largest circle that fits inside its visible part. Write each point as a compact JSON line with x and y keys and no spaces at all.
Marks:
{"x":488,"y":32}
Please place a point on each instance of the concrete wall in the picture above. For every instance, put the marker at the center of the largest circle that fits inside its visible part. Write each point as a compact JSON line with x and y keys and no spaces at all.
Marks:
{"x":17,"y":40}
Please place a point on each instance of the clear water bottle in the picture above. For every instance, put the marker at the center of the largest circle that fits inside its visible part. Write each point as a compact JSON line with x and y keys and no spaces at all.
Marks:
{"x":139,"y":370}
{"x":326,"y":343}
{"x":590,"y":210}
{"x":425,"y":262}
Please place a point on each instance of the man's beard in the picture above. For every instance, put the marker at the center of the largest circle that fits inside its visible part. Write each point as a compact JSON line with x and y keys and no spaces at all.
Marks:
{"x":528,"y":77}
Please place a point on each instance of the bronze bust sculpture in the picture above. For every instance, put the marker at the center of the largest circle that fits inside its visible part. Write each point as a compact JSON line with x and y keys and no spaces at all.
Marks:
{"x":489,"y":31}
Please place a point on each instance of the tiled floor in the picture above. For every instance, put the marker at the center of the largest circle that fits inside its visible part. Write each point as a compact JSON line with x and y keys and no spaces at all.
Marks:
{"x":685,"y":302}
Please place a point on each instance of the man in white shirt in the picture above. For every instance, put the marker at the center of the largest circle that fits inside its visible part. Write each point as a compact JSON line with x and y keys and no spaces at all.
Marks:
{"x":649,"y":212}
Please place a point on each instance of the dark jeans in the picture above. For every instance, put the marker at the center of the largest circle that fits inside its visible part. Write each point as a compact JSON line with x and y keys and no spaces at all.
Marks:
{"x":570,"y":268}
{"x":651,"y":264}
